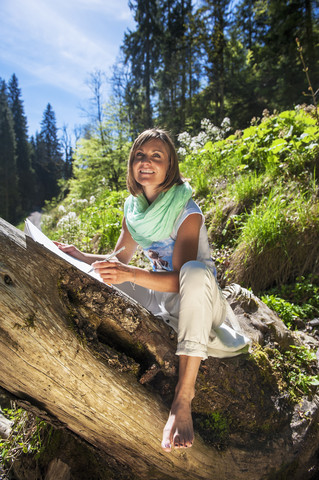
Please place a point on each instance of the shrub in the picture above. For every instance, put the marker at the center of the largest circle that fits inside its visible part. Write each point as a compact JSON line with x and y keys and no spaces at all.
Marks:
{"x":279,"y":241}
{"x":93,"y":225}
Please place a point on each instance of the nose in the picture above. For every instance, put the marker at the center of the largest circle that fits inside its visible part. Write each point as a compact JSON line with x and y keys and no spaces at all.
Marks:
{"x":145,"y":159}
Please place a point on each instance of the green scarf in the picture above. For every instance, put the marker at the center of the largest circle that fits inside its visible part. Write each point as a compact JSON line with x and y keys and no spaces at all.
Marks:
{"x":149,"y":223}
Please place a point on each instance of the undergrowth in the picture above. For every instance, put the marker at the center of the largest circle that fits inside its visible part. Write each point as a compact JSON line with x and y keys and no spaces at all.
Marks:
{"x":29,"y":435}
{"x":93,"y":224}
{"x":295,"y":370}
{"x":299,"y":300}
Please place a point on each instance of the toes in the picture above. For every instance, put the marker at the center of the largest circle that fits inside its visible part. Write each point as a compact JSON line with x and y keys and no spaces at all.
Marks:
{"x":167,"y":440}
{"x":177,"y":442}
{"x":166,"y":446}
{"x":180,"y":442}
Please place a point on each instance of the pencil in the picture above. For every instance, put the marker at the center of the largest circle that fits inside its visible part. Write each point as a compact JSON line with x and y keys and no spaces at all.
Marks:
{"x":108,"y":257}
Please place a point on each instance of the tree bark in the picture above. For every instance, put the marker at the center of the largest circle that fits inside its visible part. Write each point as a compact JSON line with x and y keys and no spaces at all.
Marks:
{"x":105,"y":368}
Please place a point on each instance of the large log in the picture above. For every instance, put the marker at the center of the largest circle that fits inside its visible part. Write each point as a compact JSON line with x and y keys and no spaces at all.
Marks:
{"x":104,"y":367}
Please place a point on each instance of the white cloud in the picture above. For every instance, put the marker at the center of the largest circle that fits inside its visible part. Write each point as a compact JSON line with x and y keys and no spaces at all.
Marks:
{"x":118,"y":10}
{"x":53,"y":41}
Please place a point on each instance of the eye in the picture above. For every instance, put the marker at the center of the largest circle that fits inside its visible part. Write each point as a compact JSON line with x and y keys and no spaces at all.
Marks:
{"x":139,"y":155}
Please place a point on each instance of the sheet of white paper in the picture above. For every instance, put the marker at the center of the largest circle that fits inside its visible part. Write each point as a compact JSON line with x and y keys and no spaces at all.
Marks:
{"x":36,"y":234}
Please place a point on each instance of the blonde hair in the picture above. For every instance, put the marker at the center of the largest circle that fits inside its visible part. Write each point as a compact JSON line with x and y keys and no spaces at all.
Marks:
{"x":173,"y":174}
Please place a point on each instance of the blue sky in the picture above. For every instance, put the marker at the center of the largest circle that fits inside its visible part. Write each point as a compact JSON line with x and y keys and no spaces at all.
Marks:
{"x":53,"y":45}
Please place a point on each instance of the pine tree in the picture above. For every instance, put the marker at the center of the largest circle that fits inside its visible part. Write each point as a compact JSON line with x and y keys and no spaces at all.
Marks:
{"x":66,"y":144}
{"x":173,"y":83}
{"x":48,"y":162}
{"x":214,"y":15}
{"x":268,"y":29}
{"x":9,"y":197}
{"x":24,"y":169}
{"x":141,"y":49}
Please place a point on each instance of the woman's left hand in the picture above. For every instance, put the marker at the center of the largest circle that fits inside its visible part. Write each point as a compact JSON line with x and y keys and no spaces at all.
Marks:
{"x":114,"y":272}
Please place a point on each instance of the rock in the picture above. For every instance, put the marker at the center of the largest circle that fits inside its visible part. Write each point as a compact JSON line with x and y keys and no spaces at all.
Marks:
{"x":5,"y":426}
{"x":58,"y":470}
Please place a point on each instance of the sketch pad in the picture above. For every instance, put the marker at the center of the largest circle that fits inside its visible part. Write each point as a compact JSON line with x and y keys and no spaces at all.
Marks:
{"x":39,"y":237}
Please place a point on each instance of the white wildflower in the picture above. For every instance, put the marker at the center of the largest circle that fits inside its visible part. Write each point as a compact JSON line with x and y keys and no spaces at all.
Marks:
{"x":71,"y":215}
{"x":182,"y":151}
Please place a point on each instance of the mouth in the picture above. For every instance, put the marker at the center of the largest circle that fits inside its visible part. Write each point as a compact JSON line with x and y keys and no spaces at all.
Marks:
{"x":146,"y":171}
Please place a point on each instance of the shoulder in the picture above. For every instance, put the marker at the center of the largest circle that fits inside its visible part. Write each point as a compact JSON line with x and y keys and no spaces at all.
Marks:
{"x":191,"y":209}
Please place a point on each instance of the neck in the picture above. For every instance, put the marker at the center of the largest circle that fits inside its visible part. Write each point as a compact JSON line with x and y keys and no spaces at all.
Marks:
{"x":151,"y":195}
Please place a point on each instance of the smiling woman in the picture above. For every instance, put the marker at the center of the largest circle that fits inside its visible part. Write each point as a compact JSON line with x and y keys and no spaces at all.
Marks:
{"x":150,"y":167}
{"x":162,"y":218}
{"x":153,"y":157}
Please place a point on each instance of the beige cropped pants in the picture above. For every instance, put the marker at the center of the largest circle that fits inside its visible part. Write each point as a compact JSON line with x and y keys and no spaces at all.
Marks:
{"x":196,"y":313}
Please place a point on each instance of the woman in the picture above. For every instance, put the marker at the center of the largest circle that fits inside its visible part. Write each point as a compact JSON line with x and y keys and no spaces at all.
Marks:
{"x":160,"y":216}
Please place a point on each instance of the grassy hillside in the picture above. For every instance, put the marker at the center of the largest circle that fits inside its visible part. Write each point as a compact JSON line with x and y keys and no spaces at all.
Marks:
{"x":259,"y":192}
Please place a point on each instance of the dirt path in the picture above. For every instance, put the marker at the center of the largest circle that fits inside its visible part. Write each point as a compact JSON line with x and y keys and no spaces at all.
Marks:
{"x":35,"y":218}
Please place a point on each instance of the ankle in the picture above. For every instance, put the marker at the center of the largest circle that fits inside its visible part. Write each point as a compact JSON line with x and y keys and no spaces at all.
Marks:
{"x":184,"y":392}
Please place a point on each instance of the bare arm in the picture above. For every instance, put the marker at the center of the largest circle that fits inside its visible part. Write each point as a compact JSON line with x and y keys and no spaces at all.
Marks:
{"x":76,"y":253}
{"x":125,"y":240}
{"x":186,"y":246}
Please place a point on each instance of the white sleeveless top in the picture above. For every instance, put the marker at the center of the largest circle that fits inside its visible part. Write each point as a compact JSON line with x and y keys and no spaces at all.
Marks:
{"x":160,"y":254}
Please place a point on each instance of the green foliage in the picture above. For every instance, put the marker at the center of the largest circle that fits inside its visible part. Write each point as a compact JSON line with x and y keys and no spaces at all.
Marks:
{"x":284,"y":144}
{"x":261,"y":195}
{"x":29,"y":435}
{"x":100,"y":160}
{"x":48,"y":163}
{"x":23,"y":153}
{"x":92,"y":225}
{"x":299,"y":300}
{"x":247,"y":189}
{"x":295,"y":370}
{"x":287,"y":311}
{"x":305,"y":291}
{"x":212,"y":59}
{"x":142,"y":51}
{"x":9,"y":199}
{"x":284,"y":213}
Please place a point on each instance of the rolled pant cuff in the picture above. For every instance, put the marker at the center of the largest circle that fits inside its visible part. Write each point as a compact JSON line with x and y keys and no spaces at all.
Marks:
{"x":192,"y":349}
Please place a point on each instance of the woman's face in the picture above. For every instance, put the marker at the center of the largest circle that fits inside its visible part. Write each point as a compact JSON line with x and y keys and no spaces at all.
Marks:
{"x":150,"y":166}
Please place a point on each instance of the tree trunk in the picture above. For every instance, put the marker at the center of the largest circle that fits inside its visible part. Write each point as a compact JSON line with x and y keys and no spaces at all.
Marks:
{"x":105,"y":368}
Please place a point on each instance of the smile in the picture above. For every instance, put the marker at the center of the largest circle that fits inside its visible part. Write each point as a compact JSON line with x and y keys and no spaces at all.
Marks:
{"x":146,"y":171}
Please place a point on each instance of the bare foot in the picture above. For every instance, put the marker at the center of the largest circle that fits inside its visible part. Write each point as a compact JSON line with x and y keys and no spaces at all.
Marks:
{"x":178,"y":431}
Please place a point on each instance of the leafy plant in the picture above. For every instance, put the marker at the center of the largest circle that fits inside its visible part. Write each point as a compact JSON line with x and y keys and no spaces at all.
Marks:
{"x":29,"y":435}
{"x":93,"y":225}
{"x":288,"y":312}
{"x":295,"y":370}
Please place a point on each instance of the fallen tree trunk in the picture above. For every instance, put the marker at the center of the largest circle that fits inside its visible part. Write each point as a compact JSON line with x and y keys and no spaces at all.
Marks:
{"x":105,"y":368}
